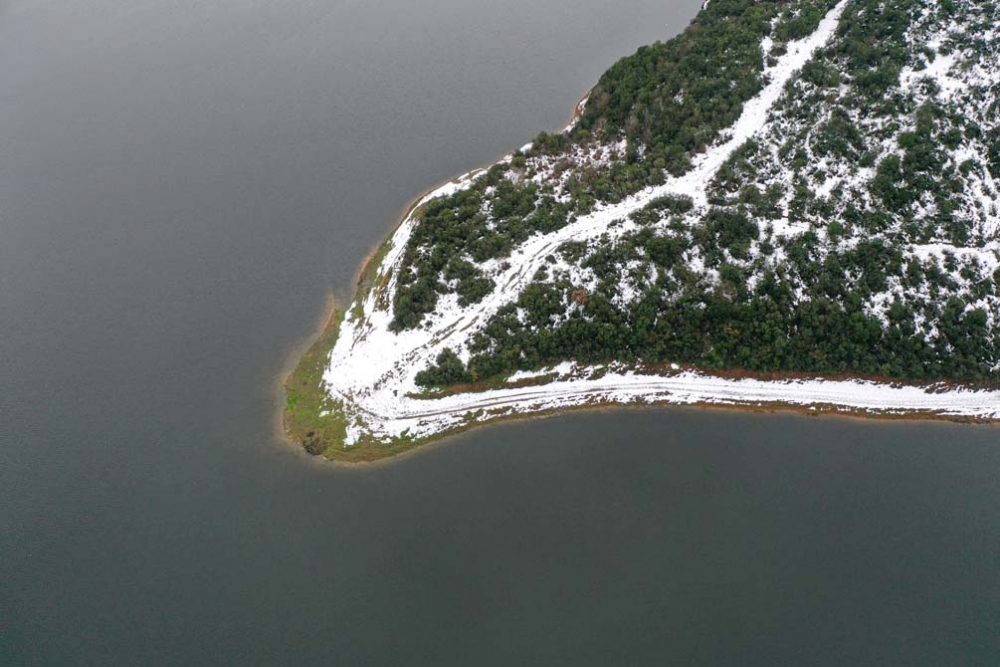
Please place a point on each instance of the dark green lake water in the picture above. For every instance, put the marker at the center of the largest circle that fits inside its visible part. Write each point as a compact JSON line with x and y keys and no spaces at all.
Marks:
{"x":182,"y":184}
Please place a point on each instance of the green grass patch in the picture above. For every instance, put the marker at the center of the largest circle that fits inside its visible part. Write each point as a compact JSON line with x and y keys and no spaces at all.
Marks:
{"x":316,"y":421}
{"x":312,"y":418}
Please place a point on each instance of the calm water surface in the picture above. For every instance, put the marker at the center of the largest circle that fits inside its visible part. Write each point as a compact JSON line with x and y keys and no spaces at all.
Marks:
{"x":181,"y":185}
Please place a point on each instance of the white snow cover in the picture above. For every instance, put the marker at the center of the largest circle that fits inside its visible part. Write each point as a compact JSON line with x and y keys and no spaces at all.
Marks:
{"x":371,"y":369}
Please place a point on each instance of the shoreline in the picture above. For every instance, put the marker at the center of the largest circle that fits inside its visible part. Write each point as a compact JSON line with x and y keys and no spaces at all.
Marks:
{"x":836,"y":412}
{"x":293,"y":358}
{"x":414,"y":202}
{"x":298,"y":351}
{"x":471,"y":416}
{"x":328,"y":317}
{"x":445,"y":437}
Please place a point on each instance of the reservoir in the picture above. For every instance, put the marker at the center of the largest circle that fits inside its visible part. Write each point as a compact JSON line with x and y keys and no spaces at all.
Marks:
{"x":183,"y":185}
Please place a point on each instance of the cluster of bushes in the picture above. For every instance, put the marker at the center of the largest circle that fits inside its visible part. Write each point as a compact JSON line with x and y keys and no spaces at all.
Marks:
{"x":468,"y":227}
{"x":766,"y":330}
{"x":820,"y":112}
{"x":922,"y":172}
{"x":806,"y":315}
{"x":448,"y":370}
{"x":670,"y":100}
{"x":840,"y":137}
{"x":446,"y":227}
{"x":662,"y":207}
{"x":872,"y":46}
{"x":673,"y":98}
{"x":993,"y":148}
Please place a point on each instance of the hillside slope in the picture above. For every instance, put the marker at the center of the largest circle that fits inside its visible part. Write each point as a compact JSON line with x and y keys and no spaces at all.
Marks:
{"x":806,"y":192}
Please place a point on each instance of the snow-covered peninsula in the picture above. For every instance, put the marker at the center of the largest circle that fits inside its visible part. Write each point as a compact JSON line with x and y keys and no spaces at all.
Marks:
{"x":392,"y":377}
